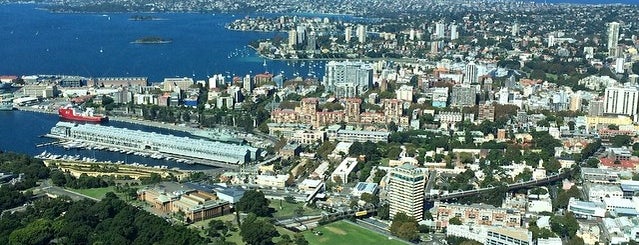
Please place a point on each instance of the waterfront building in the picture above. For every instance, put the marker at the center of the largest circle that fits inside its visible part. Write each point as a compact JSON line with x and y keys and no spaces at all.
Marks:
{"x":613,"y":38}
{"x":154,"y":142}
{"x":621,"y":100}
{"x":171,"y":83}
{"x":35,"y":90}
{"x":108,"y":82}
{"x":247,"y":83}
{"x":348,"y":78}
{"x":406,"y":191}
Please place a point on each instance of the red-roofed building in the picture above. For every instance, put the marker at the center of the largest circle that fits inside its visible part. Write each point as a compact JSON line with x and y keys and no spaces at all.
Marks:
{"x":8,"y":79}
{"x":625,"y":164}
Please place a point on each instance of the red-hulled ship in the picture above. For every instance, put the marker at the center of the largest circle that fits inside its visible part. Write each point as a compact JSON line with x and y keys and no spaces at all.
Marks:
{"x":73,"y":113}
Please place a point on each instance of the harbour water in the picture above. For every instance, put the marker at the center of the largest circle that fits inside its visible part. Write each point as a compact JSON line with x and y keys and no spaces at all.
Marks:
{"x":96,"y":45}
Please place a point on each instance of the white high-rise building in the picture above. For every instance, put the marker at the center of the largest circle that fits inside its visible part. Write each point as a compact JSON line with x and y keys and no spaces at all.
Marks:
{"x":454,"y":35}
{"x":361,"y":33}
{"x":406,"y":191}
{"x":247,"y":83}
{"x":613,"y":38}
{"x":411,"y":34}
{"x":301,"y":34}
{"x":215,"y":80}
{"x":621,"y":100}
{"x":440,"y":30}
{"x":348,"y":79}
{"x":348,"y":34}
{"x":514,"y":30}
{"x":292,"y":38}
{"x":619,"y":62}
{"x":470,"y":73}
{"x":551,"y":40}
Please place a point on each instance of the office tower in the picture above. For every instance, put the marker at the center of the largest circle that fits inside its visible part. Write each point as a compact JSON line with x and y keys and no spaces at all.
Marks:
{"x":292,"y":38}
{"x":613,"y":38}
{"x":348,"y":34}
{"x":347,"y":78}
{"x":406,"y":191}
{"x":454,"y":35}
{"x":470,"y":73}
{"x":621,"y":100}
{"x":361,"y":33}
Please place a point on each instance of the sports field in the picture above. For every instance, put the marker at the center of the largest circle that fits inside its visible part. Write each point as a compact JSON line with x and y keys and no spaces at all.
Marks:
{"x":342,"y":232}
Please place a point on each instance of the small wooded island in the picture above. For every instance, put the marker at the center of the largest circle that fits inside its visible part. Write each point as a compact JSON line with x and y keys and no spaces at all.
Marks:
{"x":143,"y":18}
{"x":152,"y":40}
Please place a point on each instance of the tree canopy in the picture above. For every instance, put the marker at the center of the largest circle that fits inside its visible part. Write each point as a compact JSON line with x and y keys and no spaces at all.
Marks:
{"x":254,"y":202}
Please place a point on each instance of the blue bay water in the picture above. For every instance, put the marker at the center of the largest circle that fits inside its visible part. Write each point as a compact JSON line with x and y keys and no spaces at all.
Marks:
{"x":95,"y":45}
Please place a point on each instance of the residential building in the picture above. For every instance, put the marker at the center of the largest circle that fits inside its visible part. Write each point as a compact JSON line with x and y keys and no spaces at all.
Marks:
{"x":613,"y":38}
{"x":347,"y":78}
{"x":597,"y":192}
{"x":405,"y":93}
{"x":470,"y":73}
{"x":345,"y":135}
{"x":508,"y":236}
{"x":406,"y":191}
{"x":353,"y":108}
{"x":476,"y":214}
{"x":622,"y":100}
{"x":463,"y":96}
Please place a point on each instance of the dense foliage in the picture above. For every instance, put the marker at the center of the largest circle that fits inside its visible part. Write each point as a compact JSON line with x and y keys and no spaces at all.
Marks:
{"x":254,"y":202}
{"x":110,"y":221}
{"x":405,"y":227}
{"x":32,"y":169}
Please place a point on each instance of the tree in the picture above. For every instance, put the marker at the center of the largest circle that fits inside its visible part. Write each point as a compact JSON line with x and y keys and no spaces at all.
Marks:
{"x":217,"y":228}
{"x":621,"y":140}
{"x":254,"y":202}
{"x":300,"y":239}
{"x":405,"y":227}
{"x":454,"y":221}
{"x":564,"y":196}
{"x":383,"y":212}
{"x":257,"y":231}
{"x":370,"y":198}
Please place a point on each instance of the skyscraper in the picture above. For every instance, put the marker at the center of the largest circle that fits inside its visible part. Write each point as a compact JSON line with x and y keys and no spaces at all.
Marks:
{"x":470,"y":73}
{"x":361,"y":33}
{"x":514,"y":30}
{"x":406,"y":191}
{"x":312,"y":41}
{"x":613,"y":38}
{"x":551,"y":40}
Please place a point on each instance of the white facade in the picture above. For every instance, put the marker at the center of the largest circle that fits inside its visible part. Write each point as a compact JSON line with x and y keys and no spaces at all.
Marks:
{"x":621,"y":100}
{"x":406,"y":191}
{"x":348,"y":79}
{"x":344,"y":169}
{"x":405,"y":93}
{"x":470,"y":73}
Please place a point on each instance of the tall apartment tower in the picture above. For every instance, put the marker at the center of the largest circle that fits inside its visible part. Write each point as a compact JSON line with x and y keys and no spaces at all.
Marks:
{"x":406,"y":195}
{"x":348,"y":34}
{"x":613,"y":38}
{"x":440,"y":30}
{"x":454,"y":34}
{"x":514,"y":30}
{"x":361,"y":33}
{"x":470,"y":73}
{"x":292,"y":38}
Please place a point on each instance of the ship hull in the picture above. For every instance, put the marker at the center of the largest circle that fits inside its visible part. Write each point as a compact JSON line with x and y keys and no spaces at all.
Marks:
{"x":68,"y":114}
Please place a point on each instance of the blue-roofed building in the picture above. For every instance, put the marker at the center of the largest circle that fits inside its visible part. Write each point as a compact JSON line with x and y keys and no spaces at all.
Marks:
{"x":586,"y":209}
{"x":364,"y":187}
{"x":630,"y":188}
{"x":231,"y":194}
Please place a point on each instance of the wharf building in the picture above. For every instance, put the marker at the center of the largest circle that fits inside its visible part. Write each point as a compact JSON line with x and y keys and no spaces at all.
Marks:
{"x":153,"y":142}
{"x":111,"y":82}
{"x":406,"y":194}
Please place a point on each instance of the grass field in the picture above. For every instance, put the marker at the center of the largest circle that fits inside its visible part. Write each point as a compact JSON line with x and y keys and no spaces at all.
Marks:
{"x":287,"y":210}
{"x":342,"y":232}
{"x":95,"y":192}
